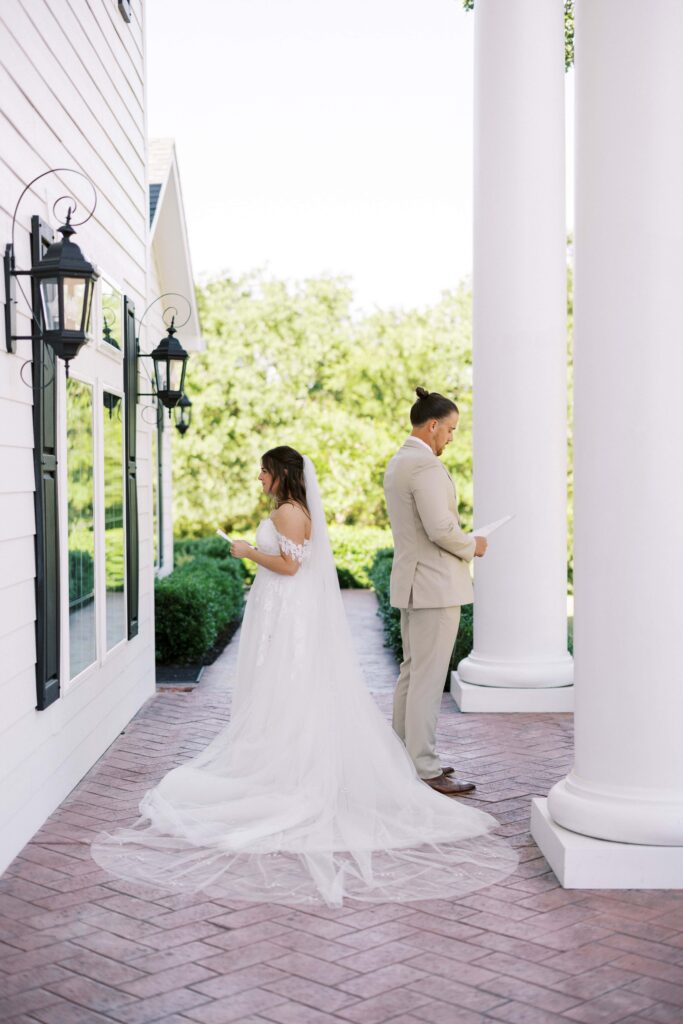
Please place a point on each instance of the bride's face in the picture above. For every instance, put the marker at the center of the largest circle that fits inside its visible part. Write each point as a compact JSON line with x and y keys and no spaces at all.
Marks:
{"x":267,"y":481}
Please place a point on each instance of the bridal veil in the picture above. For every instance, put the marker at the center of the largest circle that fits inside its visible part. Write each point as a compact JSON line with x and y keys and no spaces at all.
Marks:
{"x":307,"y":796}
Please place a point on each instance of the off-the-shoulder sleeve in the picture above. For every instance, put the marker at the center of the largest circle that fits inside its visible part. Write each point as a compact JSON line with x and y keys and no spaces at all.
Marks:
{"x":288,"y":547}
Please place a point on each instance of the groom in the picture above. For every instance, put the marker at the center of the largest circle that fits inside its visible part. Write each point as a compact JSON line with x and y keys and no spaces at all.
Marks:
{"x":430,"y":579}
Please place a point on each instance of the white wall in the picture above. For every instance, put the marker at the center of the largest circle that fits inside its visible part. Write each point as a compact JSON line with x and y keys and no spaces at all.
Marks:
{"x":156,"y":330}
{"x":71,"y":95}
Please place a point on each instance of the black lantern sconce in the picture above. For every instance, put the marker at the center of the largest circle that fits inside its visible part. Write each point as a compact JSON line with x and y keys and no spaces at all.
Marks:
{"x":170,"y":364}
{"x":183,"y":415}
{"x":107,"y":334}
{"x":112,"y":402}
{"x":65,"y":281}
{"x":169,"y":358}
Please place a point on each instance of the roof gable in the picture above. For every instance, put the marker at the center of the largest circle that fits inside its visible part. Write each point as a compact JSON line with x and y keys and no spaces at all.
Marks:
{"x":168,"y":234}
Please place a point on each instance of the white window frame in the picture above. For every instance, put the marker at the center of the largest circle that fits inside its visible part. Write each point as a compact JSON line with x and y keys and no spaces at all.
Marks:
{"x":66,"y":679}
{"x":89,"y":369}
{"x":102,"y":615}
{"x":98,"y":318}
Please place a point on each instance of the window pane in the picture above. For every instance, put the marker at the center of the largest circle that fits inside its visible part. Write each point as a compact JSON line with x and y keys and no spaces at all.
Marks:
{"x":111,"y":314}
{"x":113,"y":519}
{"x":79,"y":463}
{"x":74,"y":300}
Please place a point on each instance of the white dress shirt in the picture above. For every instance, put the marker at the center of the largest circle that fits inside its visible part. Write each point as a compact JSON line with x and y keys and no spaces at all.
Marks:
{"x":420,"y":441}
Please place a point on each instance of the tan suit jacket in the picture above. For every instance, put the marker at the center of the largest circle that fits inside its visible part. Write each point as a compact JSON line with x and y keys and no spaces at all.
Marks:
{"x":431,"y":552}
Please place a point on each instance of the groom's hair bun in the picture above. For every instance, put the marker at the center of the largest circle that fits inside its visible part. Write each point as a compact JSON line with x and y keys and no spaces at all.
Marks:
{"x":430,"y":405}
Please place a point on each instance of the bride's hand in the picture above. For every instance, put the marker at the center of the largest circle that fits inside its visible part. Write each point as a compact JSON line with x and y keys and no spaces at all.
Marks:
{"x":240,"y":549}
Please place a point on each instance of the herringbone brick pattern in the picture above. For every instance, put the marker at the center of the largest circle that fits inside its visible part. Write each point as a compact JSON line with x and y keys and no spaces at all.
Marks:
{"x":79,"y":947}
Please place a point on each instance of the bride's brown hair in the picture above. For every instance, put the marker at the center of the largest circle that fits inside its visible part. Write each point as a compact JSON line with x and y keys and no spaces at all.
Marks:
{"x":286,"y":466}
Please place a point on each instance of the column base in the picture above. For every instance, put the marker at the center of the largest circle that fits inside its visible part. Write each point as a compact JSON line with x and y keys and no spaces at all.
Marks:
{"x":618,"y":814}
{"x":482,"y":670}
{"x":581,"y":862}
{"x":525,"y":699}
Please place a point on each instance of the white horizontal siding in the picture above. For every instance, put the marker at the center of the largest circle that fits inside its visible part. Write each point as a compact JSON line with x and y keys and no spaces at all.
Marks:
{"x":17,"y":561}
{"x":71,"y":95}
{"x":170,"y":437}
{"x":16,"y":423}
{"x":20,"y":609}
{"x":18,"y":516}
{"x":16,"y":470}
{"x":12,"y":388}
{"x":18,"y":689}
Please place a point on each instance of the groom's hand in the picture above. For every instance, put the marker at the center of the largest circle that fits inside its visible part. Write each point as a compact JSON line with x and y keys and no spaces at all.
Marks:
{"x":480,"y":546}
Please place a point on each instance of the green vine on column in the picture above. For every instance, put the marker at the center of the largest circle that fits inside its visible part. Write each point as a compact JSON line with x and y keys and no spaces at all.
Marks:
{"x":568,"y":30}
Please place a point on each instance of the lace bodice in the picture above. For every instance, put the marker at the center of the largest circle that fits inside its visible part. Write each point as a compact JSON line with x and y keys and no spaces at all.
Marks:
{"x":271,"y":541}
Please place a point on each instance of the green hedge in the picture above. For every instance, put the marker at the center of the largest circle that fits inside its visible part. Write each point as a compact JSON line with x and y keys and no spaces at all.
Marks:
{"x":380,"y":574}
{"x":193,"y":604}
{"x":354,"y":548}
{"x":209,"y":547}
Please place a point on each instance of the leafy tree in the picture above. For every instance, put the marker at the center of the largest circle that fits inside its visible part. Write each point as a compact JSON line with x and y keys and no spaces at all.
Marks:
{"x":293,"y":365}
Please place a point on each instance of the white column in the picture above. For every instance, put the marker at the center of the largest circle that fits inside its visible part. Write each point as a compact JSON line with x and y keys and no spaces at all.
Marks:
{"x":627,"y":782}
{"x":520,"y":660}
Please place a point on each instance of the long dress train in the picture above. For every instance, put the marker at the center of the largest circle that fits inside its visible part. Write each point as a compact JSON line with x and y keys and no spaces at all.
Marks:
{"x":308,"y":795}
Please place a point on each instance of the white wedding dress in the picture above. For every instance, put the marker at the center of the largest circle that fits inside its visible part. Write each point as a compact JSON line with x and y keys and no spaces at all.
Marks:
{"x":308,"y":795}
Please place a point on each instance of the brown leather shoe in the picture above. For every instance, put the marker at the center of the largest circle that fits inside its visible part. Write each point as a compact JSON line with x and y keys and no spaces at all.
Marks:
{"x":449,"y":787}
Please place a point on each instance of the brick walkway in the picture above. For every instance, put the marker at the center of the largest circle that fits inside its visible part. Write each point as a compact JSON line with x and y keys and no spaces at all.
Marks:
{"x":79,"y":947}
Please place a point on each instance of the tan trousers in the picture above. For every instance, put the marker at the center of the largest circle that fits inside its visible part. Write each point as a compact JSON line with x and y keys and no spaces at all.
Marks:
{"x":428,"y":635}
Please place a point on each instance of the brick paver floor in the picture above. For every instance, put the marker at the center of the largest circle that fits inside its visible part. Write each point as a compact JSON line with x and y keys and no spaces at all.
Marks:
{"x":79,"y":947}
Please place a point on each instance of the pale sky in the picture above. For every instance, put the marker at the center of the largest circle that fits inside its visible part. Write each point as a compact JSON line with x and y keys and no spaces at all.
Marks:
{"x":321,"y":136}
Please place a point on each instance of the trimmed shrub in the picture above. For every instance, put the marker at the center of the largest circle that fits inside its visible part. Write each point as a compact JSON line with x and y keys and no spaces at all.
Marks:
{"x":354,"y":548}
{"x":380,"y":574}
{"x":193,"y":603}
{"x":207,"y":547}
{"x":185,"y":551}
{"x":183,"y":628}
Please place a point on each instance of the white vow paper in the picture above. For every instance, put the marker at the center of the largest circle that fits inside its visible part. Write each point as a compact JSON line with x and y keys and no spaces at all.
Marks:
{"x":224,"y":536}
{"x":486,"y":531}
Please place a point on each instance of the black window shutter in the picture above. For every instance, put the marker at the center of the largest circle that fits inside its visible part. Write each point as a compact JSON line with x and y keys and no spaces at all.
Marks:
{"x":130,"y":383}
{"x":45,"y":468}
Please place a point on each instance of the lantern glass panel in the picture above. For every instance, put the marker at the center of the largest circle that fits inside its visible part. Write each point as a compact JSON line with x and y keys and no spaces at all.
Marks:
{"x":176,"y":374}
{"x":161,"y":371}
{"x":74,"y":300}
{"x":49,"y":288}
{"x":90,"y":287}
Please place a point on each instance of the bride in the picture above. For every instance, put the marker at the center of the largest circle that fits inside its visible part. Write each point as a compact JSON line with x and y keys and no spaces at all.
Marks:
{"x":308,"y":795}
